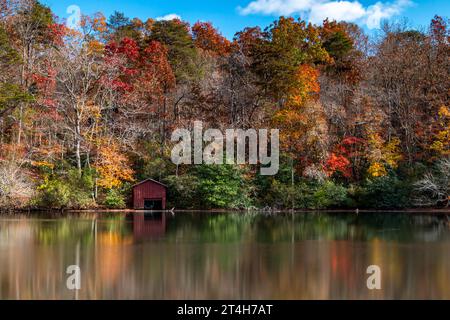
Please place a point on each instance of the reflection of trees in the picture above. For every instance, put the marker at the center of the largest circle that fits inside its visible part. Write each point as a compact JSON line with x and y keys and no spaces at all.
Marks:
{"x":38,"y":252}
{"x":306,"y":262}
{"x":227,"y":256}
{"x":310,"y":226}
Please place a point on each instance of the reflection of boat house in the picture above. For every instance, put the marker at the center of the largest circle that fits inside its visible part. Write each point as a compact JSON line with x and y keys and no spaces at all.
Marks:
{"x":148,"y":225}
{"x":149,"y":195}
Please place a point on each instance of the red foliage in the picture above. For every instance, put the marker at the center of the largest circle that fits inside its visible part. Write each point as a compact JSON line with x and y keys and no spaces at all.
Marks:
{"x":338,"y":164}
{"x":247,"y":38}
{"x":156,"y":64}
{"x":57,"y":33}
{"x":209,"y":39}
{"x":142,"y":70}
{"x":125,"y":56}
{"x":438,"y":27}
{"x":340,"y":160}
{"x":46,"y":85}
{"x":129,"y":48}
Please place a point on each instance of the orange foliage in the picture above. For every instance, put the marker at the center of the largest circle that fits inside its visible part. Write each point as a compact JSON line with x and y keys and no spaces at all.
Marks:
{"x":338,"y":164}
{"x":306,"y":86}
{"x":209,"y":39}
{"x":340,"y":161}
{"x":112,"y":165}
{"x":302,"y":120}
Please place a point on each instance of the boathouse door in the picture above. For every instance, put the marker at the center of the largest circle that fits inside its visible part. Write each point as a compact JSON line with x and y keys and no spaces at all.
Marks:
{"x":153,"y":204}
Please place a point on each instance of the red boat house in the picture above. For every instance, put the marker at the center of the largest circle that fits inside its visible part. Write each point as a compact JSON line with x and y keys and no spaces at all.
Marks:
{"x":149,"y":195}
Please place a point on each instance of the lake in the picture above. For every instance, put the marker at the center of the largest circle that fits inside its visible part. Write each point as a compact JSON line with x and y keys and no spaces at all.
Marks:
{"x":225,"y":256}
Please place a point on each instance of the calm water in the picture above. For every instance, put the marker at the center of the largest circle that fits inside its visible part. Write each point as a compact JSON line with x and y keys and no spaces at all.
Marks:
{"x":225,"y":256}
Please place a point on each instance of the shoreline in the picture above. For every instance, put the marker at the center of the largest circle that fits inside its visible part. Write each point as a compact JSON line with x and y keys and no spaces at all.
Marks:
{"x":425,"y":211}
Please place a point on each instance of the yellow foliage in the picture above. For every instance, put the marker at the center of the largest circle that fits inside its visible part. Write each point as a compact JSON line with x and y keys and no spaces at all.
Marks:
{"x":113,"y":166}
{"x":382,"y":154}
{"x":392,"y":153}
{"x":44,"y":164}
{"x":377,"y":170}
{"x":441,"y":144}
{"x":303,"y":130}
{"x":95,"y":23}
{"x":444,"y":112}
{"x":95,"y":46}
{"x":301,"y":120}
{"x":93,"y":111}
{"x":307,"y":86}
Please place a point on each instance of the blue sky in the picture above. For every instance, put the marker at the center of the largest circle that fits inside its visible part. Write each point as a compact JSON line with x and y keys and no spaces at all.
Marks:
{"x":230,"y":16}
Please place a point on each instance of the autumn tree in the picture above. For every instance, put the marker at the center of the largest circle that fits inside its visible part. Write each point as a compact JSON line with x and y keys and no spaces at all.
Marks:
{"x":142,"y":84}
{"x":383,"y":155}
{"x":280,"y":51}
{"x":441,"y":133}
{"x":32,"y":27}
{"x":78,"y":86}
{"x":302,"y":121}
{"x":120,"y":27}
{"x":345,"y":103}
{"x":11,"y":93}
{"x":113,"y":167}
{"x":209,"y":39}
{"x":175,"y":34}
{"x":409,"y":79}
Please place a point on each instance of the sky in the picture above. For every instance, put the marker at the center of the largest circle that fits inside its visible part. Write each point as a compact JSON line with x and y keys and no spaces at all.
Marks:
{"x":231,"y":16}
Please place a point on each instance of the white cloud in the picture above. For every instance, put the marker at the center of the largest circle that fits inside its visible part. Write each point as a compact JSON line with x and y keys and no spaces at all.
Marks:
{"x":171,"y":16}
{"x":337,"y":10}
{"x":318,"y":10}
{"x":380,"y":11}
{"x":279,"y":7}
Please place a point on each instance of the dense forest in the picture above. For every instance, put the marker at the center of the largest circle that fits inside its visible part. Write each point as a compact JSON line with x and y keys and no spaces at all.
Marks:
{"x":87,"y":112}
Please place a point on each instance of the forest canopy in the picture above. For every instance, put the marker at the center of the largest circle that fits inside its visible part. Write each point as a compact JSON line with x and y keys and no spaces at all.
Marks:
{"x":364,"y":121}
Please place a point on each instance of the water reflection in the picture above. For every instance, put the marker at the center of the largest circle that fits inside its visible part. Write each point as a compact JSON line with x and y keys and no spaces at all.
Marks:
{"x":148,"y":225}
{"x":225,"y":256}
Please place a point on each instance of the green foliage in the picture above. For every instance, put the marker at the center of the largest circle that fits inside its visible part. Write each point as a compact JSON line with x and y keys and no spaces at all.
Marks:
{"x":330,"y":195}
{"x":156,"y":164}
{"x":118,"y":20}
{"x":114,"y":199}
{"x":41,"y":15}
{"x":156,"y":169}
{"x":210,"y":187}
{"x":385,"y":193}
{"x":269,"y":188}
{"x":121,"y":27}
{"x":11,"y":95}
{"x":338,"y":45}
{"x":183,"y":191}
{"x":222,"y":186}
{"x":284,"y":195}
{"x":70,"y":191}
{"x":278,"y":54}
{"x":38,"y":19}
{"x":53,"y":193}
{"x":175,"y":35}
{"x":307,"y":195}
{"x":8,"y":55}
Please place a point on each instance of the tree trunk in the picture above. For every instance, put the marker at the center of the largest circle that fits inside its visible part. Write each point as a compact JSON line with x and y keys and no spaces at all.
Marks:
{"x":19,"y":134}
{"x":78,"y":144}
